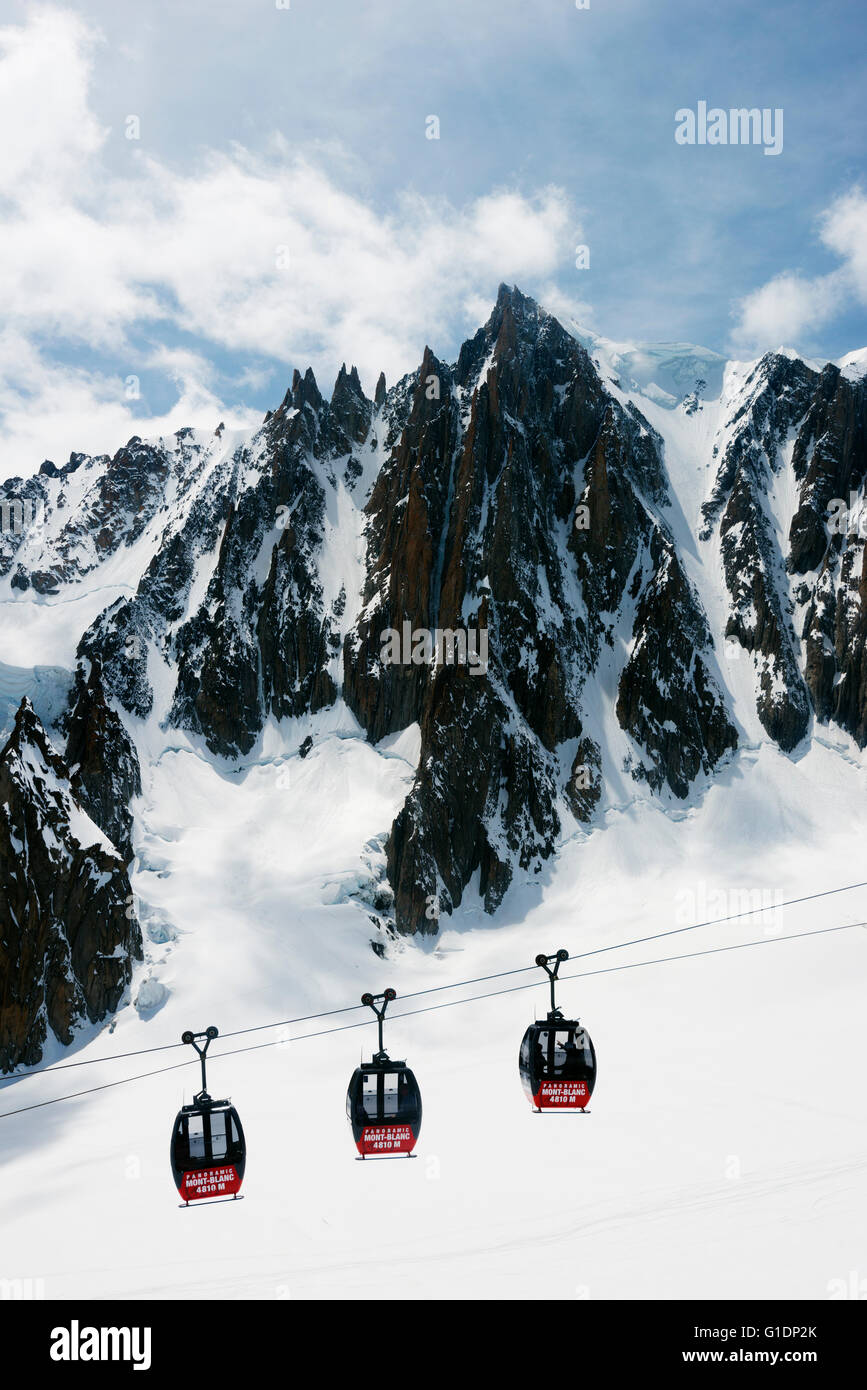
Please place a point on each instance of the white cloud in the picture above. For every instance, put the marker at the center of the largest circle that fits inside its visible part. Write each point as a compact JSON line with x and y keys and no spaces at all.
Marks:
{"x":261,"y":256}
{"x":49,"y":132}
{"x":844,"y":230}
{"x":49,"y":409}
{"x":791,"y":307}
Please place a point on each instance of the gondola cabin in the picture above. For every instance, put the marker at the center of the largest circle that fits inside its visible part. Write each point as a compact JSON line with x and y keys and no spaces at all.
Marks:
{"x":557,"y":1060}
{"x":208,"y":1151}
{"x":383,"y":1102}
{"x":557,"y":1063}
{"x":383,"y":1105}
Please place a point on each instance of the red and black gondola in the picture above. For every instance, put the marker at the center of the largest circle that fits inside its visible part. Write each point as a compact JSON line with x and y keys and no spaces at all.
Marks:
{"x":383,"y":1102}
{"x":208,"y":1149}
{"x":557,"y":1060}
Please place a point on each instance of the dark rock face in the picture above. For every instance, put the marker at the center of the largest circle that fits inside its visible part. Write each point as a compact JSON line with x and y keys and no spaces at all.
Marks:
{"x":479,"y":798}
{"x":667,"y":699}
{"x":258,"y":640}
{"x":835,"y":636}
{"x":351,"y":411}
{"x":472,"y":525}
{"x":760,"y":618}
{"x":465,"y":534}
{"x":406,"y":513}
{"x":67,"y":933}
{"x":262,"y":644}
{"x":125,"y":636}
{"x":807,"y":638}
{"x":827,"y":549}
{"x":105,"y":773}
{"x":123,"y":497}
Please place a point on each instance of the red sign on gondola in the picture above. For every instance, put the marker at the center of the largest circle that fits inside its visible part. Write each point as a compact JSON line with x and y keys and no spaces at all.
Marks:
{"x":386,"y":1139}
{"x":562,"y":1095}
{"x":210,"y":1182}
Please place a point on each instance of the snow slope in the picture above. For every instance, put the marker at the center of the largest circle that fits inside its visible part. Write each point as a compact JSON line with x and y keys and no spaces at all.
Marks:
{"x":725,"y":1153}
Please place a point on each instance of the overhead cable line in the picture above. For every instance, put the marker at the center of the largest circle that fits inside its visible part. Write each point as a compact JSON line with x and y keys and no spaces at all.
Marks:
{"x":457,"y":984}
{"x":433,"y":1008}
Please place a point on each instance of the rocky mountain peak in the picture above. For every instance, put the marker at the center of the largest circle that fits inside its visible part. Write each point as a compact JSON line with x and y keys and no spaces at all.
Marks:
{"x":519,"y":322}
{"x":28,"y":732}
{"x":350,"y":409}
{"x":471,"y":530}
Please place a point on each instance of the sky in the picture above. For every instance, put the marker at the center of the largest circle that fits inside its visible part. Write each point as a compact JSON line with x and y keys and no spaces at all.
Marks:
{"x":197,"y":196}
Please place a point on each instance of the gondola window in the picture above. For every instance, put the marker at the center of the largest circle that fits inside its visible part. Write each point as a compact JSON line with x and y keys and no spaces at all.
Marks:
{"x":196,"y":1136}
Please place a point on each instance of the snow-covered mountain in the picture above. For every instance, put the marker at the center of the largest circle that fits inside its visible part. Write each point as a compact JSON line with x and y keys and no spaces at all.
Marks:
{"x":666,"y":736}
{"x":646,"y":542}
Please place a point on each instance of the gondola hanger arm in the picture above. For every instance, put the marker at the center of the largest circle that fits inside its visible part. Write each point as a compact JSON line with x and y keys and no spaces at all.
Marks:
{"x":193,"y":1040}
{"x":370,"y":1001}
{"x":543,"y":961}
